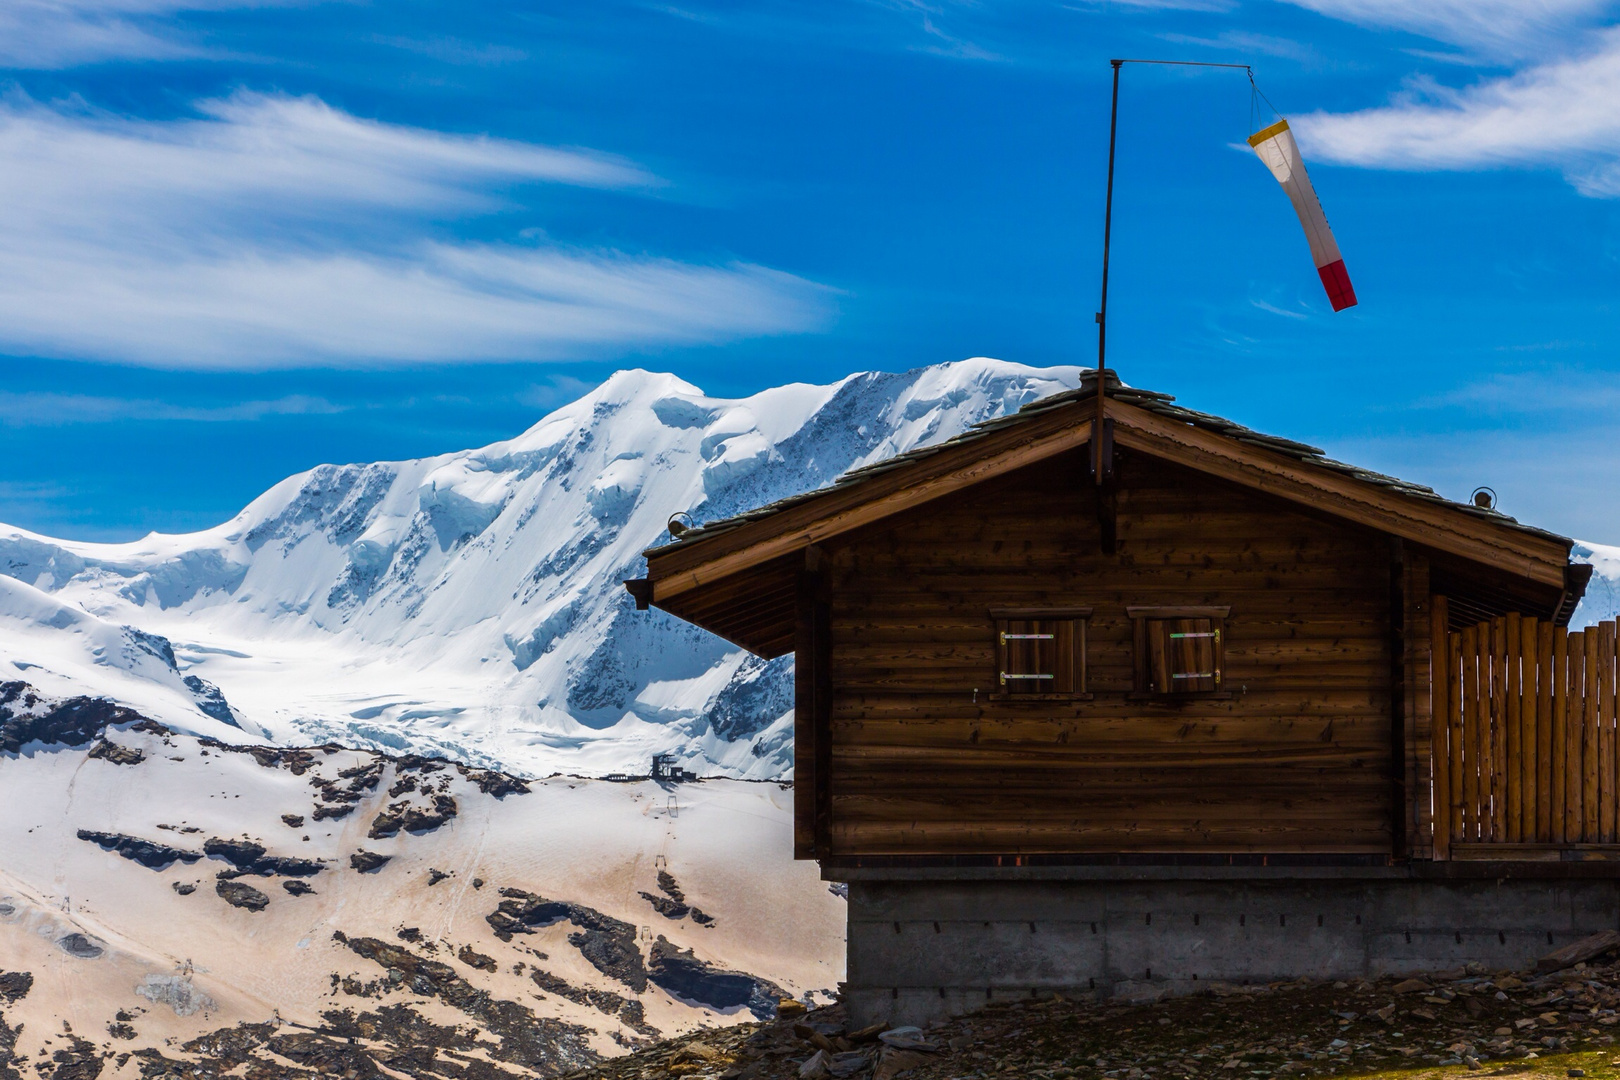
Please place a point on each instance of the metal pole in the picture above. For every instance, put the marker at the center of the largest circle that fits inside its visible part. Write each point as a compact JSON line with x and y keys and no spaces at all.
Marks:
{"x":1108,"y":228}
{"x":1102,"y":310}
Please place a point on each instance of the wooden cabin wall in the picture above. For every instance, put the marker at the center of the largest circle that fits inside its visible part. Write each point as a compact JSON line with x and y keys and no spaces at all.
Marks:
{"x":920,"y":760}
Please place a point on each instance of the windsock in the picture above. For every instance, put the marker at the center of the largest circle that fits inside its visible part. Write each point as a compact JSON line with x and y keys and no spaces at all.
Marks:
{"x":1276,"y":147}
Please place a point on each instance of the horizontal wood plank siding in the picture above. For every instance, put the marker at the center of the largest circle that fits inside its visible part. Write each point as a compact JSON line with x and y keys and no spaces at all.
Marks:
{"x":1292,"y":756}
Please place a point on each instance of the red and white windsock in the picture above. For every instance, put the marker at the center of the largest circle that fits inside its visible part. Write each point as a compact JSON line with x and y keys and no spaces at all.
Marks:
{"x":1275,"y":146}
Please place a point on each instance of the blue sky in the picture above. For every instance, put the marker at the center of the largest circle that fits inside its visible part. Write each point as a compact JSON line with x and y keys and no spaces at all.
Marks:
{"x":241,"y":239}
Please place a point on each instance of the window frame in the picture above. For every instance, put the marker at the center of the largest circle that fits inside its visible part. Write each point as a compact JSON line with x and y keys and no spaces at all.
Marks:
{"x":1077,"y":616}
{"x":1142,"y":616}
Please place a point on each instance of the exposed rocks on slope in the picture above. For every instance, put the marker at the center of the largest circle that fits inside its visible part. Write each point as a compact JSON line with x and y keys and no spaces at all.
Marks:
{"x":673,"y":905}
{"x":545,"y":1045}
{"x":14,"y":986}
{"x":26,"y":716}
{"x":411,"y":817}
{"x":608,"y":943}
{"x":295,"y":761}
{"x":115,"y":754}
{"x":148,"y":854}
{"x":628,"y":1010}
{"x":79,"y":1060}
{"x":498,"y":784}
{"x":681,"y":973}
{"x":178,"y":992}
{"x":249,"y":857}
{"x":475,"y":959}
{"x":8,"y":1049}
{"x":80,"y":946}
{"x":368,"y":861}
{"x":241,"y":894}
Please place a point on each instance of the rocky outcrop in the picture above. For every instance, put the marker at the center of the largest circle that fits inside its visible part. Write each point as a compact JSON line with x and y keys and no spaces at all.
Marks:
{"x":14,"y":986}
{"x":608,"y":943}
{"x":241,"y":894}
{"x":115,"y":754}
{"x":498,"y":784}
{"x":629,"y":1011}
{"x":27,"y":716}
{"x":413,"y":817}
{"x":681,"y":973}
{"x":150,"y":855}
{"x":544,"y":1045}
{"x":475,"y":959}
{"x":249,"y":857}
{"x":368,"y":862}
{"x":673,"y":905}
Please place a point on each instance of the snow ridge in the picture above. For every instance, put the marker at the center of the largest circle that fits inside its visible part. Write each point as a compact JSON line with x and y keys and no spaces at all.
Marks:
{"x":470,"y":605}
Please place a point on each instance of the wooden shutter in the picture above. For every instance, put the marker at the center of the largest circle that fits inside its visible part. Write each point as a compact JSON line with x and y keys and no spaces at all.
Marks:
{"x":1180,"y":650}
{"x":1039,"y":655}
{"x":1184,"y":655}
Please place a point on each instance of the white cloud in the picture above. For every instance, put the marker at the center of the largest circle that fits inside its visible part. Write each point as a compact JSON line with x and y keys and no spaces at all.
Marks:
{"x":1501,"y":27}
{"x":44,"y":409}
{"x":45,"y":34}
{"x":1561,"y":115}
{"x":272,"y":231}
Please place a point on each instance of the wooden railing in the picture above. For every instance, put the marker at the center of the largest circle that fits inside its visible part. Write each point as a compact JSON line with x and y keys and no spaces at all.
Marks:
{"x":1524,"y":742}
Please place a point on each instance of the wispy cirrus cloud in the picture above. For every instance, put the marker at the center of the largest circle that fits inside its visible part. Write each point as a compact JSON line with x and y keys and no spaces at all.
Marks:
{"x":1559,"y":114}
{"x":271,"y":231}
{"x":1503,"y":27}
{"x":47,"y":34}
{"x":47,"y":409}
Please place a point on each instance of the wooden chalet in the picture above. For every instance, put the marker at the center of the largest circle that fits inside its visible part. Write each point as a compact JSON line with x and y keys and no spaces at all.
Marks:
{"x":1232,"y":652}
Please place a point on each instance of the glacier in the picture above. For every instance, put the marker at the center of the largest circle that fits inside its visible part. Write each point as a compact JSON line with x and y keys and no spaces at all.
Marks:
{"x":470,"y":605}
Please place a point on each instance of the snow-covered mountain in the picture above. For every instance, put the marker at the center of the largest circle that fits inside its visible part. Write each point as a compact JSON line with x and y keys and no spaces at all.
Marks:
{"x":470,"y":604}
{"x":1602,"y":599}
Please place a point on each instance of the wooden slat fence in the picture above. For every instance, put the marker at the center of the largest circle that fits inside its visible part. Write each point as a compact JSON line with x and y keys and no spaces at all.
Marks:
{"x":1525,"y":727}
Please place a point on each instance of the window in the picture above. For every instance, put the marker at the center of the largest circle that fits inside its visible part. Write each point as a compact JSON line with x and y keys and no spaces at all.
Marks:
{"x":1180,"y":651}
{"x":1040,"y":652}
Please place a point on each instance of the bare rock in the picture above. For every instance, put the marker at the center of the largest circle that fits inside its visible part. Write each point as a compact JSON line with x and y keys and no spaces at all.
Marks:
{"x":117,"y":755}
{"x":14,"y":985}
{"x":475,"y":959}
{"x":151,"y":855}
{"x":892,"y":1062}
{"x":241,"y":894}
{"x":412,"y":817}
{"x":368,"y":862}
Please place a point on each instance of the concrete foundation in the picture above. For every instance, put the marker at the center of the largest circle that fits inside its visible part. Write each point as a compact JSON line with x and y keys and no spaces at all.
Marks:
{"x":926,"y":945}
